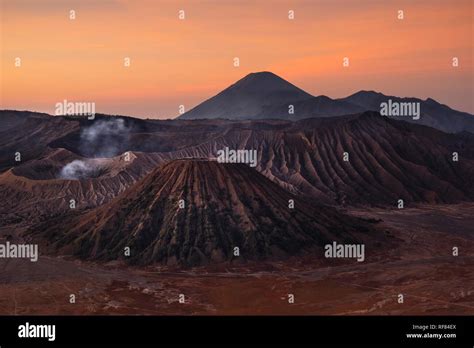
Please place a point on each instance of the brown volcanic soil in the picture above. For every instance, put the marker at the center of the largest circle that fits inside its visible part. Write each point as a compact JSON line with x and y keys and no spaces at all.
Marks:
{"x":423,"y":269}
{"x":226,"y":206}
{"x":388,"y":160}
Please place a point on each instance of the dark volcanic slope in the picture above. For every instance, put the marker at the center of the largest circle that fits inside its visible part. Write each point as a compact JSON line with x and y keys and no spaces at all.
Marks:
{"x":28,"y":133}
{"x":321,"y":106}
{"x":226,"y":206}
{"x":388,"y":159}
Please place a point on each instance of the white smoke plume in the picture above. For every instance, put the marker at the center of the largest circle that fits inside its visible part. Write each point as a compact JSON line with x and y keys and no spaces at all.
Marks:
{"x":104,"y":138}
{"x":76,"y":170}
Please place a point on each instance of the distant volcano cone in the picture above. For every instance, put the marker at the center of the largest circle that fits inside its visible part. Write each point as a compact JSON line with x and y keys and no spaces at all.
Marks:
{"x":248,"y":97}
{"x":192,"y":212}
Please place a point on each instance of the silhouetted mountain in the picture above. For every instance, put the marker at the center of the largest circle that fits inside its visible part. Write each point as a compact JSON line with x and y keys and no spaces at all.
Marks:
{"x":191,"y":212}
{"x":248,"y":98}
{"x":264,"y":95}
{"x":433,"y":114}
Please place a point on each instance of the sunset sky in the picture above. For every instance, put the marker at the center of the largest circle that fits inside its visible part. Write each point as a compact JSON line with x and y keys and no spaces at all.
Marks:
{"x":177,"y":61}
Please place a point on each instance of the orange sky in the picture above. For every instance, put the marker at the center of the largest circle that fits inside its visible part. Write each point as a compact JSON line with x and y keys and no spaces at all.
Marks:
{"x":177,"y":62}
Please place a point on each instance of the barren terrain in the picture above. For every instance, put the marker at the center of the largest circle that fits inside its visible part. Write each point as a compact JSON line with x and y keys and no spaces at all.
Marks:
{"x":423,"y":269}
